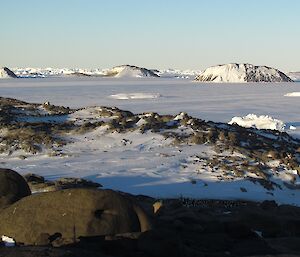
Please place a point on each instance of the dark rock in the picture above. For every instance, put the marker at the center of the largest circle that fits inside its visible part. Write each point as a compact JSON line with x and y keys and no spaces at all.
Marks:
{"x":65,"y":183}
{"x":269,"y":205}
{"x":239,"y":230}
{"x":34,"y":178}
{"x":290,"y":245}
{"x":13,"y":187}
{"x":71,"y":213}
{"x":38,"y":251}
{"x":252,"y":247}
{"x":160,"y":242}
{"x":38,"y":183}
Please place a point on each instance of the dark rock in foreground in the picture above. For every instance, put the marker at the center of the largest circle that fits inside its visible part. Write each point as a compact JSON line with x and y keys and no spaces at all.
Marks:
{"x":98,"y":223}
{"x":13,"y":187}
{"x":192,"y":228}
{"x":62,"y":217}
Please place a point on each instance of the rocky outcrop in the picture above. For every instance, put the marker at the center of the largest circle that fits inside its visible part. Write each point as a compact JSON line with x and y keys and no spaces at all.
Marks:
{"x":38,"y":183}
{"x":239,"y":73}
{"x":61,"y":217}
{"x":7,"y":73}
{"x":13,"y":187}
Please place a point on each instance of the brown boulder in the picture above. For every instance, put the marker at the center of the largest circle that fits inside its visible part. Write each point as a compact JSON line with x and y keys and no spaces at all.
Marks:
{"x":13,"y":187}
{"x":61,"y":217}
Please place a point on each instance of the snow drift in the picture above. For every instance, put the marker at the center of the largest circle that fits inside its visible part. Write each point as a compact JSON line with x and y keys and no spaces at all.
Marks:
{"x":293,"y":94}
{"x":124,"y":96}
{"x":239,"y":73}
{"x":6,"y":73}
{"x":259,"y":122}
{"x":129,"y":71}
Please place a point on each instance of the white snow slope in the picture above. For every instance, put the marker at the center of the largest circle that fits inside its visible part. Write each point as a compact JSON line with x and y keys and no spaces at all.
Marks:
{"x":239,"y":73}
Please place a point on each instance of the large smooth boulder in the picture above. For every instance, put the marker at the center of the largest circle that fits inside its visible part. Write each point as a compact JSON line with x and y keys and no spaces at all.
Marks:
{"x":61,"y":217}
{"x":13,"y":187}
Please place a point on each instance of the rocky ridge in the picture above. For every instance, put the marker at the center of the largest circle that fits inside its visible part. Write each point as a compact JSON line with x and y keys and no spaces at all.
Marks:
{"x":268,"y":158}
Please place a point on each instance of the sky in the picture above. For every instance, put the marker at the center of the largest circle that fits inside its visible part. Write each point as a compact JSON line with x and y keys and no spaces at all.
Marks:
{"x":183,"y":34}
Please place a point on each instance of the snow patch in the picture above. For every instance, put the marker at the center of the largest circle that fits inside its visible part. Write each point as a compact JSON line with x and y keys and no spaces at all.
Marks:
{"x":258,"y":122}
{"x":293,"y":94}
{"x":8,"y":241}
{"x":124,"y":96}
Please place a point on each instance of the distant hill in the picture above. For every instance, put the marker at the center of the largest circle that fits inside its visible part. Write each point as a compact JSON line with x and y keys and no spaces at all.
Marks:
{"x":130,"y":71}
{"x":240,"y":73}
{"x":6,"y":73}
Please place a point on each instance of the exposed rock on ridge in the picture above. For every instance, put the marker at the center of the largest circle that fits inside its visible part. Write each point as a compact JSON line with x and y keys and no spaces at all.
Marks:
{"x":6,"y":73}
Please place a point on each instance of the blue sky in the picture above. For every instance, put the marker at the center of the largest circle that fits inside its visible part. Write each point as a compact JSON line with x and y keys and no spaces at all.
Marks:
{"x":186,"y":34}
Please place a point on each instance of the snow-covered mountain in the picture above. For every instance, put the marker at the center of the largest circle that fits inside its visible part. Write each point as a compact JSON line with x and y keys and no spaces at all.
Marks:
{"x":294,"y":75}
{"x":175,"y":73}
{"x":56,"y":72}
{"x":130,"y":71}
{"x":239,"y":73}
{"x":222,"y":73}
{"x":119,"y":71}
{"x":6,"y":73}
